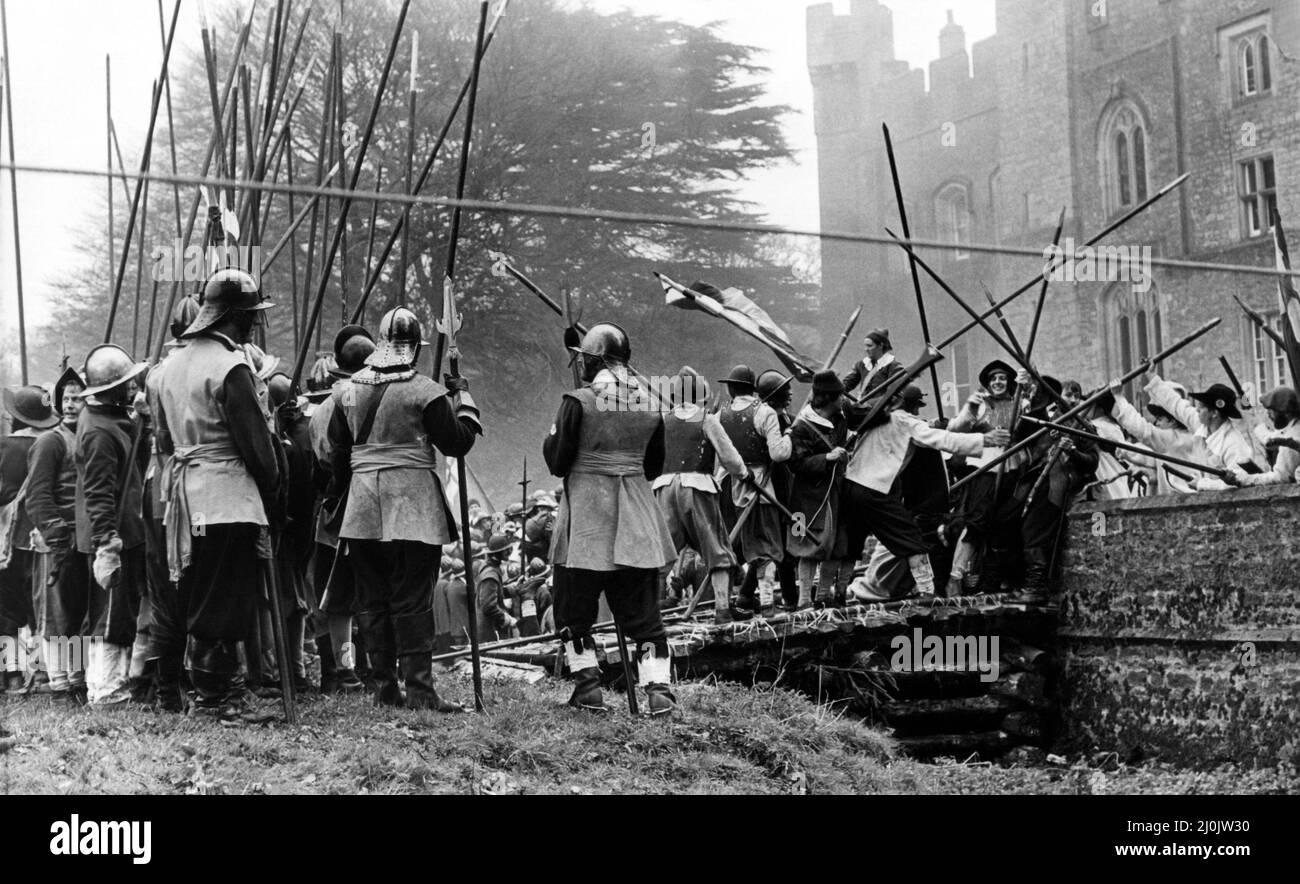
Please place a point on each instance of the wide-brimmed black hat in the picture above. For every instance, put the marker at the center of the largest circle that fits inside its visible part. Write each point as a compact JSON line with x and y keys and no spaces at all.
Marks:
{"x":741,"y":375}
{"x":31,"y":405}
{"x":1221,"y":398}
{"x":827,"y":382}
{"x":1041,"y":396}
{"x":69,"y":376}
{"x":998,"y":365}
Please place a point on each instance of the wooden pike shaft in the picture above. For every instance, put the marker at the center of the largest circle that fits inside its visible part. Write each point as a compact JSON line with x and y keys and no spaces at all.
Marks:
{"x":213,"y":142}
{"x":916,"y":280}
{"x":326,"y":103}
{"x":427,"y":169}
{"x":454,"y":360}
{"x":1124,"y":446}
{"x":293,"y":256}
{"x":108,"y":146}
{"x":844,"y":337}
{"x":1042,"y":293}
{"x":144,"y":167}
{"x":367,"y":133}
{"x":13,"y":191}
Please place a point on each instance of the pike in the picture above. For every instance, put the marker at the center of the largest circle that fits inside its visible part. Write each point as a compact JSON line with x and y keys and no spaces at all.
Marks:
{"x":1042,"y":293}
{"x":144,"y":168}
{"x":1100,"y":235}
{"x":340,"y":116}
{"x":410,"y":177}
{"x":911,"y":263}
{"x":1012,"y":350}
{"x":1262,"y":323}
{"x":523,"y":501}
{"x":1125,"y":446}
{"x":428,"y":165}
{"x":139,"y":270}
{"x":176,"y":188}
{"x":1002,"y":321}
{"x":447,"y":329}
{"x":8,"y":88}
{"x":108,"y":147}
{"x":370,"y":230}
{"x":213,"y":143}
{"x":1086,"y":403}
{"x":1236,"y":384}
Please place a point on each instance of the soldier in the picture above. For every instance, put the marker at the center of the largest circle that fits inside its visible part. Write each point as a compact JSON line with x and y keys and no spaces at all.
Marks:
{"x":878,"y":367}
{"x":817,"y":465}
{"x":755,"y":430}
{"x":388,"y":425}
{"x":610,"y":536}
{"x":694,"y":445}
{"x":332,"y":577}
{"x":494,"y":620}
{"x":160,"y":593}
{"x":30,"y":412}
{"x":212,"y":421}
{"x":989,"y":519}
{"x":296,"y":540}
{"x":539,"y":526}
{"x":110,"y":456}
{"x":60,"y":580}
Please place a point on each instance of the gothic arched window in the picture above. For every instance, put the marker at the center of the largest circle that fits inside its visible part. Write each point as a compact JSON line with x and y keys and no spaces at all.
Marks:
{"x":952,"y":217}
{"x":1123,"y":157}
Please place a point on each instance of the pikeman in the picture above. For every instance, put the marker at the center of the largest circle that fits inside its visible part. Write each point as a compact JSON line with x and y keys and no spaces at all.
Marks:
{"x":387,"y":423}
{"x":332,"y":578}
{"x":607,"y":442}
{"x":30,"y":413}
{"x":870,"y":502}
{"x":110,"y":456}
{"x":694,"y":445}
{"x":212,"y":423}
{"x":160,"y":593}
{"x":755,"y":430}
{"x":61,"y":578}
{"x":987,"y":507}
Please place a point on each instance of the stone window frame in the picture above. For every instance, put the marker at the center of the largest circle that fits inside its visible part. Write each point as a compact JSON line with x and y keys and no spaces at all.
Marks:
{"x":958,"y":372}
{"x":1133,"y":330}
{"x":952,"y":227}
{"x":1124,"y":155}
{"x":1266,"y":362}
{"x":1253,"y":33}
{"x":1253,"y":205}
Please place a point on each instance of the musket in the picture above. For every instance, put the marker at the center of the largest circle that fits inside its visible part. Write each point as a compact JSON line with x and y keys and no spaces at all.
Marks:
{"x":428,"y":167}
{"x":8,"y":90}
{"x":448,"y":328}
{"x":1125,"y":446}
{"x":916,"y":280}
{"x":1088,"y":402}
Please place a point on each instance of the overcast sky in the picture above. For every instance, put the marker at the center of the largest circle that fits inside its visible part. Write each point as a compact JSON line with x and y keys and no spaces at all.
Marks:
{"x":57,"y":65}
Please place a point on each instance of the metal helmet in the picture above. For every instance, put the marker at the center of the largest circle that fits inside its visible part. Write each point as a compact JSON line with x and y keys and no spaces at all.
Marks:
{"x":228,"y":289}
{"x":184,"y":314}
{"x":30,"y":405}
{"x":605,"y":344}
{"x":108,"y":366}
{"x":770,"y":384}
{"x":278,"y":388}
{"x":400,"y":337}
{"x":351,"y":356}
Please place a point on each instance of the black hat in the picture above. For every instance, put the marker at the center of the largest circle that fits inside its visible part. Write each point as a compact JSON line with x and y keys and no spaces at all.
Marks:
{"x":881,"y":336}
{"x":998,"y":365}
{"x":69,"y":376}
{"x":1041,"y":396}
{"x":741,"y":375}
{"x":31,"y":405}
{"x":1221,"y":398}
{"x":912,"y":395}
{"x":827,"y":382}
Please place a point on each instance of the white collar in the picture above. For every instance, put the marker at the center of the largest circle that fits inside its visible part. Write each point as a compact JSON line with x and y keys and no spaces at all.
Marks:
{"x":740,"y":403}
{"x":883,"y":361}
{"x":808,"y":414}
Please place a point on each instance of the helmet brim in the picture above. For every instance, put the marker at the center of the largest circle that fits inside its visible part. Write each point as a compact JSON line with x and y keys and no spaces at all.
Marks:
{"x":132,"y":373}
